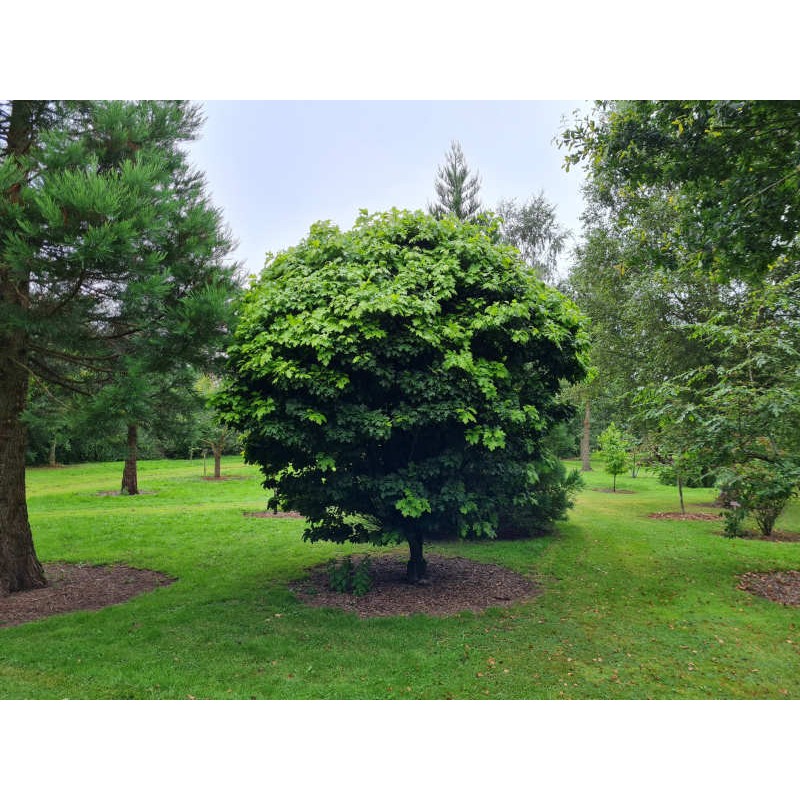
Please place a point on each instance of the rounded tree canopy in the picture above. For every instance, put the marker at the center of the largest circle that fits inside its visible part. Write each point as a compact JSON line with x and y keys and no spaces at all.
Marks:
{"x":400,"y":379}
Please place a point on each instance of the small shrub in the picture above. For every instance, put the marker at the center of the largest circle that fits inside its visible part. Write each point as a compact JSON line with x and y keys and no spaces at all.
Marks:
{"x":733,"y":519}
{"x":345,"y":578}
{"x":760,"y":488}
{"x":340,"y":575}
{"x":362,"y":581}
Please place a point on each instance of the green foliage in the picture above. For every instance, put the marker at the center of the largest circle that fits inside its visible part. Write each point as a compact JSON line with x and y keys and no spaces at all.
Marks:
{"x":112,"y":272}
{"x":533,"y":228}
{"x":733,"y":517}
{"x":758,"y":488}
{"x":727,"y":169}
{"x":340,"y":575}
{"x":456,"y":189}
{"x":346,"y":578}
{"x":400,"y":379}
{"x":614,"y":447}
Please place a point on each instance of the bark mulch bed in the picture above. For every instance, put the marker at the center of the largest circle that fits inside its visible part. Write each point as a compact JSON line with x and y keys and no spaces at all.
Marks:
{"x":780,"y":587}
{"x":677,"y":515}
{"x":775,"y":536}
{"x":77,"y":587}
{"x":456,"y":584}
{"x":272,"y":514}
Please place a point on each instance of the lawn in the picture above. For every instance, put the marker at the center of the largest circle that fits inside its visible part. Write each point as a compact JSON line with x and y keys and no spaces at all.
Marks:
{"x":632,"y":607}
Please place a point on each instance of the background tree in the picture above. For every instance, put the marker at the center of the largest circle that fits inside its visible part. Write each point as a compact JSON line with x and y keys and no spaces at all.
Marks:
{"x":397,"y":382}
{"x":533,"y":228}
{"x":51,"y":418}
{"x":456,"y":189}
{"x":699,"y":202}
{"x":614,"y":446}
{"x":211,"y":433}
{"x":728,"y":169}
{"x":95,"y":230}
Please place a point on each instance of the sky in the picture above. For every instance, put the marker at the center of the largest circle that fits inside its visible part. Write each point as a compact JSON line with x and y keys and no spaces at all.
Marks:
{"x":275,"y":167}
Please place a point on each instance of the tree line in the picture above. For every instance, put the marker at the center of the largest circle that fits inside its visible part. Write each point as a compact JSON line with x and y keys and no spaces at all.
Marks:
{"x":687,"y":269}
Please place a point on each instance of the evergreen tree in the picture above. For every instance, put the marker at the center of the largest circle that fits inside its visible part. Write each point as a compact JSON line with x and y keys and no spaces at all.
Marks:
{"x":105,"y":235}
{"x":456,"y":189}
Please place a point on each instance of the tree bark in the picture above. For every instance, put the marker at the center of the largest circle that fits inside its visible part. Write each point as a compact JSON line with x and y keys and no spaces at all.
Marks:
{"x":680,"y":491}
{"x":417,"y":569}
{"x":586,"y":464}
{"x":217,"y":462}
{"x":52,"y":457}
{"x":19,"y":567}
{"x":130,"y":484}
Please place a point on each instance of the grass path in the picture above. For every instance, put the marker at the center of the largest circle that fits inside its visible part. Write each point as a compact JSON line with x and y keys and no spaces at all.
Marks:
{"x":632,"y":608}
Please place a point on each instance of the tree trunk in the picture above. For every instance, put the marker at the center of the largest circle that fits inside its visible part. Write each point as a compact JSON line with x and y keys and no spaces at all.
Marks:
{"x":417,"y":570}
{"x":19,"y":567}
{"x":680,"y":491}
{"x":217,"y":462}
{"x":52,"y":457}
{"x":586,"y":464}
{"x":614,"y":483}
{"x":130,"y":483}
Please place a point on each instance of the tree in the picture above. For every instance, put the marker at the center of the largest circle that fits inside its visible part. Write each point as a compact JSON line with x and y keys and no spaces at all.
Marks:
{"x":614,"y":451}
{"x":210,"y":432}
{"x":728,"y":169}
{"x":698,"y":202}
{"x":456,"y":188}
{"x":533,"y":228}
{"x":98,"y":236}
{"x":50,"y":417}
{"x":397,"y":382}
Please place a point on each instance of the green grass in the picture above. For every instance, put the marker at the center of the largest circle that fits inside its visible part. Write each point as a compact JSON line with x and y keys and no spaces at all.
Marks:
{"x":632,"y":607}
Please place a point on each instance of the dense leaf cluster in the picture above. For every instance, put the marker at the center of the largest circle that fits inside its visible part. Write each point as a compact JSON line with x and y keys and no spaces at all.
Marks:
{"x":399,"y":380}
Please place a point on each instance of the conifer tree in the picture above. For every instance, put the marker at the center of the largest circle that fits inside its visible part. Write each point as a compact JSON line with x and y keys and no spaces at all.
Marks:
{"x":105,"y":235}
{"x":456,"y":189}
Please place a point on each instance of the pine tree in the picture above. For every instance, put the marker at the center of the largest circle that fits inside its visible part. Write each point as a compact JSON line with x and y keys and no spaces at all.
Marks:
{"x":456,"y":189}
{"x":106,"y":235}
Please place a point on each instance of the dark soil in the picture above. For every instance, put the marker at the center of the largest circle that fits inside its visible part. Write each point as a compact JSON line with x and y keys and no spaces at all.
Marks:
{"x":455,"y":584}
{"x":775,"y":536}
{"x":273,"y":514}
{"x":780,"y":587}
{"x":675,"y":515}
{"x":77,"y":587}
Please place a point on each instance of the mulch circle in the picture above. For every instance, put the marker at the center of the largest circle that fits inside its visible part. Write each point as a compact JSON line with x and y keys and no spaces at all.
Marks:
{"x":78,"y":587}
{"x":780,"y":587}
{"x":456,"y":584}
{"x":272,"y":514}
{"x":677,"y":515}
{"x":618,"y":491}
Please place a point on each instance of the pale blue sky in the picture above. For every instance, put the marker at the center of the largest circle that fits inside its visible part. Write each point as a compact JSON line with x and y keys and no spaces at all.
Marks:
{"x":275,"y":167}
